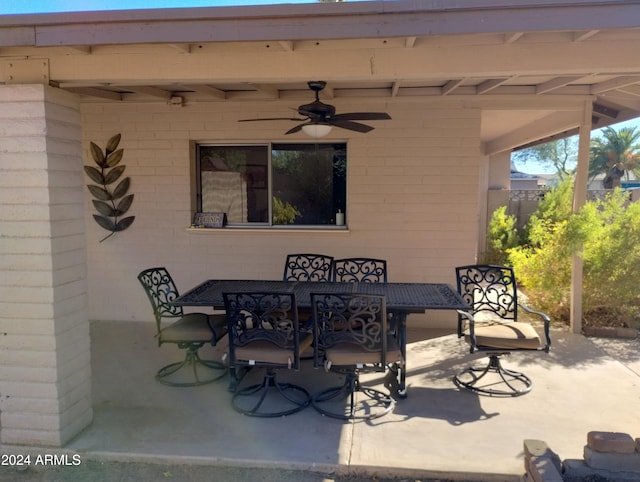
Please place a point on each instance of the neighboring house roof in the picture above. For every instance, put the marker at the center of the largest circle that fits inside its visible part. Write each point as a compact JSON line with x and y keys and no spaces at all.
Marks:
{"x":528,"y":66}
{"x":515,"y":174}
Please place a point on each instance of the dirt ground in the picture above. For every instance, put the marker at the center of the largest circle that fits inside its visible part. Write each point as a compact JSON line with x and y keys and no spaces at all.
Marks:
{"x":94,"y":471}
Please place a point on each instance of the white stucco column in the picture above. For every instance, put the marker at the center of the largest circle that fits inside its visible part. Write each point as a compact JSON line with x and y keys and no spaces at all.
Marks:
{"x":496,"y":181}
{"x":45,"y":360}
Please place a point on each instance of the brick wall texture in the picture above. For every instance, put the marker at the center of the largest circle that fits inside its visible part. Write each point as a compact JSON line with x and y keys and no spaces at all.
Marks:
{"x":45,"y":379}
{"x":412,"y":197}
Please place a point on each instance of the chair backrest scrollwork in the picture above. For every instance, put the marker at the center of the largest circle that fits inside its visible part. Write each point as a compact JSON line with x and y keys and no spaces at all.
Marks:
{"x":360,"y":270}
{"x":350,"y":319}
{"x":308,"y":267}
{"x":490,"y":289}
{"x":263,"y":317}
{"x":161,"y":291}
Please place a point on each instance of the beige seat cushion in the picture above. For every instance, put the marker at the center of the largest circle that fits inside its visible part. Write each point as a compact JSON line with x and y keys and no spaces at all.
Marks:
{"x":513,"y":335}
{"x":266,"y":352}
{"x":192,"y":327}
{"x":348,"y":354}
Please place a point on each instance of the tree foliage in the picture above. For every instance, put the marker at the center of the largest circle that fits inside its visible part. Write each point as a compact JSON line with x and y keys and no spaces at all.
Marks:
{"x":561,"y":155}
{"x":615,"y":154}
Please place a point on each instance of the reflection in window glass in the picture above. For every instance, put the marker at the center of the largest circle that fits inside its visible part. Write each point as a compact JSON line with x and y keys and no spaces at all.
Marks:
{"x":233,"y":180}
{"x":280,"y":184}
{"x":309,"y":183}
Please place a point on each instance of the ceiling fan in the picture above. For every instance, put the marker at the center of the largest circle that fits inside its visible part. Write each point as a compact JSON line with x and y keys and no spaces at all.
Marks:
{"x":318,"y":118}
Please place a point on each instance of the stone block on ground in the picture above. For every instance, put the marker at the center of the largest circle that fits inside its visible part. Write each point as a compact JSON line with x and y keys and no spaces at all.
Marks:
{"x":543,"y":469}
{"x":611,"y":442}
{"x":578,"y":471}
{"x":612,"y":461}
{"x":539,"y":448}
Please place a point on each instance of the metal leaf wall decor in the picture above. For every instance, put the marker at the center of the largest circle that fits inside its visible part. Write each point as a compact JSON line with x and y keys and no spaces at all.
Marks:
{"x":110,"y":202}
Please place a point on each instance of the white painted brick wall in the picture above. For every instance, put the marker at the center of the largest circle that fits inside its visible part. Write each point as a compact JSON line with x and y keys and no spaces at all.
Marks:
{"x":412,"y":196}
{"x":45,"y":379}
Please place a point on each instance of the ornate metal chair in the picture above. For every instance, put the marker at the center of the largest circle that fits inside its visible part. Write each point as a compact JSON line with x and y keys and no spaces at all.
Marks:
{"x":351,"y":338}
{"x":264,"y":332}
{"x":190,"y":332}
{"x":308,"y":267}
{"x":493,"y":327}
{"x":362,"y":270}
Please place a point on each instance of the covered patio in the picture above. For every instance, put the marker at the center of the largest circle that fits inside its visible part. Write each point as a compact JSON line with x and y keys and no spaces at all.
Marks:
{"x":438,"y":432}
{"x":464,"y":85}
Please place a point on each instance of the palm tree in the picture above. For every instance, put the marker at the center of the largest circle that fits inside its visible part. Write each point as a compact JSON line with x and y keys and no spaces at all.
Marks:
{"x":615,"y":154}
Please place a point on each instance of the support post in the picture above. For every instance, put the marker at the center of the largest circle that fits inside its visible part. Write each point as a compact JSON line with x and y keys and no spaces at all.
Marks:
{"x":579,"y":199}
{"x":45,"y":382}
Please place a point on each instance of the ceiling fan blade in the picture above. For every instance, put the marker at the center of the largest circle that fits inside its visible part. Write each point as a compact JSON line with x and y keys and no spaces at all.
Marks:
{"x":352,"y":126}
{"x":313,"y":116}
{"x":272,"y":119}
{"x":295,"y":129}
{"x":318,"y":112}
{"x":362,"y":116}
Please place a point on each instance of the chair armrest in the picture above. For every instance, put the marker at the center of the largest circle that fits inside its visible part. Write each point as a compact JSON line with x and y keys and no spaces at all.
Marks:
{"x":545,"y":318}
{"x":463,"y":315}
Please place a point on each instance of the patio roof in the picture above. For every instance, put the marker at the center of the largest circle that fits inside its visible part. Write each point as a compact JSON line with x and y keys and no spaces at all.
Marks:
{"x":528,"y":66}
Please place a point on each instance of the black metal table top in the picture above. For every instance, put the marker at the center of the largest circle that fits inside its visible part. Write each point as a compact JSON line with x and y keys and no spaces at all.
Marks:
{"x":408,"y":297}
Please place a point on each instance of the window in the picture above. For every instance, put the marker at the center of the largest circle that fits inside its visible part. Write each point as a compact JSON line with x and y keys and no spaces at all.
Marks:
{"x":279,"y":184}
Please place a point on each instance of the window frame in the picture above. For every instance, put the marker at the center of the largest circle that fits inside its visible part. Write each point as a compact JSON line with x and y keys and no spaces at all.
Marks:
{"x":197,"y":195}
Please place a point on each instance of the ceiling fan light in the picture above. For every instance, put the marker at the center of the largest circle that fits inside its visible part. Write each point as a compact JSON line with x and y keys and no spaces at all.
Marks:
{"x":316,"y":130}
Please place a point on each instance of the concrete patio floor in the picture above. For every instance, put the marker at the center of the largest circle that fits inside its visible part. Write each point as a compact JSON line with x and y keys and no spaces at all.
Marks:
{"x":439,"y":431}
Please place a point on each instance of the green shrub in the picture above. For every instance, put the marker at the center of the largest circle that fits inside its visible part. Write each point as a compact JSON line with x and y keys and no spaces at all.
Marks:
{"x":606,"y":234}
{"x":555,"y":207}
{"x":544,"y":270}
{"x":543,"y":261}
{"x":503,"y":235}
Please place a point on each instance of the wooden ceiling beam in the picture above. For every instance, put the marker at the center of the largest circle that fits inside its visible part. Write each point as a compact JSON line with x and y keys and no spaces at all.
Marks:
{"x":451,"y":86}
{"x":555,"y":84}
{"x":513,"y":37}
{"x":94,"y":92}
{"x":208,"y":91}
{"x":489,"y":85}
{"x":615,"y":83}
{"x":631,"y":90}
{"x":150,"y":91}
{"x":582,"y":36}
{"x":184,"y":48}
{"x":268,"y":90}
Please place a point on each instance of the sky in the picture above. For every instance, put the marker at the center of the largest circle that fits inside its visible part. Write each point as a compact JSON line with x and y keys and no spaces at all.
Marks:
{"x":531,"y":167}
{"x":51,"y":6}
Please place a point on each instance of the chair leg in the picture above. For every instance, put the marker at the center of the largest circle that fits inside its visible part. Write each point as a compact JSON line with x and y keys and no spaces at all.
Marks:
{"x":192,"y":359}
{"x":353,"y":401}
{"x":269,"y":395}
{"x":516,"y":383}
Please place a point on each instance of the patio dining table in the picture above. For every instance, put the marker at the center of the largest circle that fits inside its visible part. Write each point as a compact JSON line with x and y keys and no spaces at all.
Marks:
{"x":401,"y":298}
